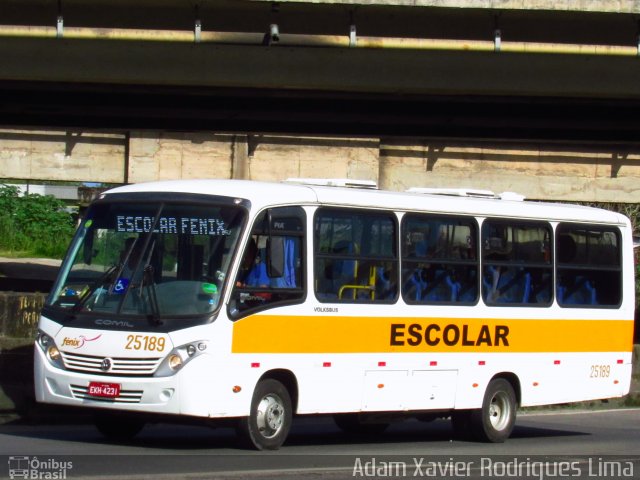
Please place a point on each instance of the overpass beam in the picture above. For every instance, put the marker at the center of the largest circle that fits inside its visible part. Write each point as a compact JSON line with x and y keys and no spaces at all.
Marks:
{"x":396,"y":71}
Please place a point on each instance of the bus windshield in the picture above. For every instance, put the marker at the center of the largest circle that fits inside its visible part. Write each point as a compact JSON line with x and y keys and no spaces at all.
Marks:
{"x":148,"y":259}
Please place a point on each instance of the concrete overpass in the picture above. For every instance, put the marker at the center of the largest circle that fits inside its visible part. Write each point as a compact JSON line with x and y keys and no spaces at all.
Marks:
{"x":439,"y":92}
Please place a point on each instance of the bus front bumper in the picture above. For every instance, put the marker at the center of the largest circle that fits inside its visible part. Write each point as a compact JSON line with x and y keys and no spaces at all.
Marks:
{"x":143,"y":394}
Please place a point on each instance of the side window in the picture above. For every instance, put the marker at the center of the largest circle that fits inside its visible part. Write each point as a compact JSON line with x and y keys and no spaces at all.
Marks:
{"x":517,"y":265}
{"x":355,"y":256}
{"x":588,"y":266}
{"x":272,"y":268}
{"x":439,"y":259}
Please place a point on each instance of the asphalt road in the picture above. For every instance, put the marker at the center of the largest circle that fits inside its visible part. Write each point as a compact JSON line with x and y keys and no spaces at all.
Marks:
{"x":601,"y":444}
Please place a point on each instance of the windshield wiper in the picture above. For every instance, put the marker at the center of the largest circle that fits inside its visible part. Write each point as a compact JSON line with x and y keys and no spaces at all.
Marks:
{"x":149,"y":282}
{"x":107,"y":277}
{"x":147,"y":248}
{"x":124,"y":261}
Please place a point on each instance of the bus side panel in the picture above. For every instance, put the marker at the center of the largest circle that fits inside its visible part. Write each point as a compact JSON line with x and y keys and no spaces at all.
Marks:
{"x":329,"y":384}
{"x":432,"y":389}
{"x":566,"y":378}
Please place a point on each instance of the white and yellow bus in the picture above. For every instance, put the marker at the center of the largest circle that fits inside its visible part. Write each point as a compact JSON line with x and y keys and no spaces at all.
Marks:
{"x":254,"y":302}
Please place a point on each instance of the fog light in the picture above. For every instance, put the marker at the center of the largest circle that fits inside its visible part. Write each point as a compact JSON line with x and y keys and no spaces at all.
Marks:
{"x":54,"y":353}
{"x":175,"y":362}
{"x":191,"y":350}
{"x":166,"y":394}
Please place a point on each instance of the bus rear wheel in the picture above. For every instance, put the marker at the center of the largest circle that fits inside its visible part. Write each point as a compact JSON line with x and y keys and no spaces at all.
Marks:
{"x":494,"y":422}
{"x":269,"y":421}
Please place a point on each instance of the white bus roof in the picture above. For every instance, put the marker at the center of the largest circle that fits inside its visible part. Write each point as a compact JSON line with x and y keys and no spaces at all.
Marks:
{"x":264,"y":194}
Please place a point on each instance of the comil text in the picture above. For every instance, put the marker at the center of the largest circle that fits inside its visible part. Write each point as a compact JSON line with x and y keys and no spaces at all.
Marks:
{"x":450,"y":335}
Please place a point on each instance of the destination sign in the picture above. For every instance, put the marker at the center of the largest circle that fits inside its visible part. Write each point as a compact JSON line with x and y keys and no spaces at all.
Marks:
{"x":182,"y":225}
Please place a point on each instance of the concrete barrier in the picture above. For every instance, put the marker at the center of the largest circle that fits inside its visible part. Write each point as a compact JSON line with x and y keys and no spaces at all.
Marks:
{"x":19,"y":313}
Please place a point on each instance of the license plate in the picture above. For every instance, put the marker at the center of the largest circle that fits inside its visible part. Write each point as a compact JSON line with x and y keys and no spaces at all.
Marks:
{"x":105,"y":390}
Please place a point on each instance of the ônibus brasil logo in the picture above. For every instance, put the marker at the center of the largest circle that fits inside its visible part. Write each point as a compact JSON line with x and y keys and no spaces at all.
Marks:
{"x":33,"y":467}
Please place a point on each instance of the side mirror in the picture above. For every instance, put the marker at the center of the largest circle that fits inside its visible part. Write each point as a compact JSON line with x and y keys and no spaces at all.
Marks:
{"x":275,"y":257}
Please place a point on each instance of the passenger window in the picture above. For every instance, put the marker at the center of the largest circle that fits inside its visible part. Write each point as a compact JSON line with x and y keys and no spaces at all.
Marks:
{"x":439,"y":259}
{"x":517,"y":265}
{"x":588,"y":266}
{"x":272,"y":268}
{"x":355,"y":256}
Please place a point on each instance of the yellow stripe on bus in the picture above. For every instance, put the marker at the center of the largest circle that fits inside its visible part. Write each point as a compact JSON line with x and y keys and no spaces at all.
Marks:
{"x":329,"y":334}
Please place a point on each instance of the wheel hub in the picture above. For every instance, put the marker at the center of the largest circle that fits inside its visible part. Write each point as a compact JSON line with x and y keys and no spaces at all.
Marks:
{"x":499,"y":411}
{"x":270,"y":415}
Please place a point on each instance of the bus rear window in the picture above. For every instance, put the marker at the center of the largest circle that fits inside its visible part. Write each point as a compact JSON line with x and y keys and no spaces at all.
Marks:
{"x":588,"y":266}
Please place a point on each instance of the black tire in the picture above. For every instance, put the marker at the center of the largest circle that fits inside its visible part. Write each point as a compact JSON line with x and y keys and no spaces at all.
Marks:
{"x":269,"y":421}
{"x":354,"y":423}
{"x":494,"y":422}
{"x":118,"y":427}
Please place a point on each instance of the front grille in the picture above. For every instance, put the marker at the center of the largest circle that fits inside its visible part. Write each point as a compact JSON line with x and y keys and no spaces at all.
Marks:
{"x":119,"y":366}
{"x":126,"y":396}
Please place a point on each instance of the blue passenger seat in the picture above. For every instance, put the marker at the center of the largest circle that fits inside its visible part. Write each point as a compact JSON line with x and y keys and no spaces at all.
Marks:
{"x":514,"y":286}
{"x":582,"y":292}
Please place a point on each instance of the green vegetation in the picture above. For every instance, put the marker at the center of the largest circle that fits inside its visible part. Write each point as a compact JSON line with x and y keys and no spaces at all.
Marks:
{"x":33,"y":225}
{"x":633,"y":399}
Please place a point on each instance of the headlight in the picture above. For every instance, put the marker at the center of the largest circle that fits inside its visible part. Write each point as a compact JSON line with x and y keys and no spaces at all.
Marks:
{"x":175,"y":362}
{"x":179,"y":357}
{"x":53,"y":353}
{"x":48,"y":346}
{"x":44,"y":340}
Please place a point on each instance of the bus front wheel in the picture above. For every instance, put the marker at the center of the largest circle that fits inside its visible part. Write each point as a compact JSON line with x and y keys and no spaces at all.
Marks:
{"x":494,"y":422}
{"x":269,"y":421}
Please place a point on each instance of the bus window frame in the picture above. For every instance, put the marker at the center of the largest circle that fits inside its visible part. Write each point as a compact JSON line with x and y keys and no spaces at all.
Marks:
{"x":551,"y":266}
{"x":586,"y":267}
{"x":404,"y":256}
{"x":236,"y":314}
{"x":351,"y":211}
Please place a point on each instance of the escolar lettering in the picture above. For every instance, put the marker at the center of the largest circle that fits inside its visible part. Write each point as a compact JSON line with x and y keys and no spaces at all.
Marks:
{"x":451,"y":335}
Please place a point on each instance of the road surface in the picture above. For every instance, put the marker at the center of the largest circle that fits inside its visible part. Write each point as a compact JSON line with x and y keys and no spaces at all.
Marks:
{"x":600,"y":444}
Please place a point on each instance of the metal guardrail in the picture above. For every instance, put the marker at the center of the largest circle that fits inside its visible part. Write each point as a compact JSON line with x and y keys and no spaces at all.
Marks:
{"x":349,"y":40}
